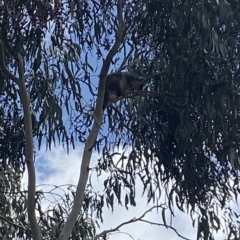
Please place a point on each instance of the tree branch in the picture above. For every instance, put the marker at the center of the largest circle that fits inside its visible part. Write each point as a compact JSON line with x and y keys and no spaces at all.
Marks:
{"x":20,"y":81}
{"x":104,"y":233}
{"x":29,"y":151}
{"x":98,"y":117}
{"x":146,"y":93}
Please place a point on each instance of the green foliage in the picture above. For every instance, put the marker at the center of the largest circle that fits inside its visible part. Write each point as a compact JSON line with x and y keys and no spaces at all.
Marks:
{"x":14,"y":210}
{"x":181,"y":128}
{"x":12,"y":142}
{"x":12,"y":204}
{"x":188,"y":119}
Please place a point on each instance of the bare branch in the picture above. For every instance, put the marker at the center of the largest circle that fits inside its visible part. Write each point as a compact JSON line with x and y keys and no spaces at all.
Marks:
{"x":164,"y":225}
{"x":125,"y":223}
{"x":104,"y":233}
{"x":29,"y":151}
{"x":146,"y":93}
{"x":129,"y":235}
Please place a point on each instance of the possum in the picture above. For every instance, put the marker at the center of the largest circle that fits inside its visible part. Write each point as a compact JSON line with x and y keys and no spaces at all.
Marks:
{"x":120,"y":84}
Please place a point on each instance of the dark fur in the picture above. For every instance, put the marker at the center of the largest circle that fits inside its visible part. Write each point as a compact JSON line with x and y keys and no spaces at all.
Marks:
{"x":118,"y":84}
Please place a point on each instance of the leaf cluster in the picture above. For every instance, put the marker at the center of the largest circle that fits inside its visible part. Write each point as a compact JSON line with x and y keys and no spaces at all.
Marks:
{"x":186,"y":121}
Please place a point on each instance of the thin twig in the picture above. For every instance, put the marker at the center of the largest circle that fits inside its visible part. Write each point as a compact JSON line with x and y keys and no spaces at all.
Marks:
{"x":146,"y":93}
{"x":11,"y":223}
{"x":164,"y":225}
{"x":105,"y":232}
{"x":125,"y":59}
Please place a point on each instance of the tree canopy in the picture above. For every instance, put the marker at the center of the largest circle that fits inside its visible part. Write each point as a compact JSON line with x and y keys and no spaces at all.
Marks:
{"x":179,"y":135}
